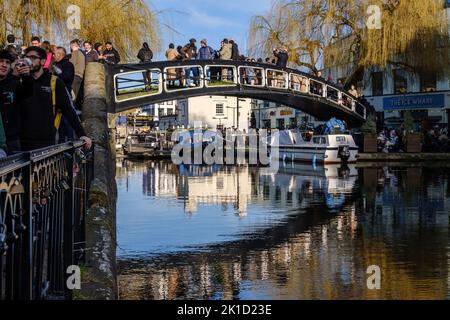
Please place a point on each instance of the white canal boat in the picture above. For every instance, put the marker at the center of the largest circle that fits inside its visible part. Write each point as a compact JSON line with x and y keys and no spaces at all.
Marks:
{"x":290,"y":145}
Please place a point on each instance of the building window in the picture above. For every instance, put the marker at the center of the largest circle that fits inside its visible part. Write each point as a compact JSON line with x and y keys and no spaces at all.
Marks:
{"x":428,"y":82}
{"x":219,"y":109}
{"x":377,"y":83}
{"x":161,"y":112}
{"x":169,"y":112}
{"x":400,"y":82}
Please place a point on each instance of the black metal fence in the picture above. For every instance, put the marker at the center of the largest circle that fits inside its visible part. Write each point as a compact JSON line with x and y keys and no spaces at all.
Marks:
{"x":43,"y":207}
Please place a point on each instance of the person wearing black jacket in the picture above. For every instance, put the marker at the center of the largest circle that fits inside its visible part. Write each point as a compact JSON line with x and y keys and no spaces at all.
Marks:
{"x":234,"y":50}
{"x":282,"y":57}
{"x":189,"y":52}
{"x":13,"y":88}
{"x":63,"y":68}
{"x":111,"y":54}
{"x":145,"y":55}
{"x":37,"y":115}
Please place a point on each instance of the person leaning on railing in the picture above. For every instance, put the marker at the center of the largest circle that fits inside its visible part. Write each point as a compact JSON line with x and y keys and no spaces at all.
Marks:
{"x":41,"y":112}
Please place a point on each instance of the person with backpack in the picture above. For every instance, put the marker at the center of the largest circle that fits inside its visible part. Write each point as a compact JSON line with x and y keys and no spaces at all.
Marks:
{"x":41,"y":112}
{"x":145,"y":55}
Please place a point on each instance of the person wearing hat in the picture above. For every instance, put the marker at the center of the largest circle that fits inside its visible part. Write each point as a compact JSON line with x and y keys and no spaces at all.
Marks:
{"x":205,"y":52}
{"x":189,"y":51}
{"x":15,"y":85}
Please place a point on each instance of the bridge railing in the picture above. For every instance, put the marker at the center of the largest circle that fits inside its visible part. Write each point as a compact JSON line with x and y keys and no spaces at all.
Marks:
{"x":170,"y":76}
{"x":43,"y":207}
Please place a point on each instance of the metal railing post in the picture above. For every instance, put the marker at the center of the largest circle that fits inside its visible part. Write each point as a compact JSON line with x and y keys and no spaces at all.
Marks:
{"x":68,"y":216}
{"x":26,"y":287}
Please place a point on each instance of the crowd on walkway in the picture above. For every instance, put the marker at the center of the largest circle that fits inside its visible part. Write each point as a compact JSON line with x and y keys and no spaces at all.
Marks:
{"x":435,"y":140}
{"x":40,"y":92}
{"x":392,"y":140}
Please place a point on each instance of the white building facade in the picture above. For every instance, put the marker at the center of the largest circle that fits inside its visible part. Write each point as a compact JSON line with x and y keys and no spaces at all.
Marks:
{"x":215,"y":112}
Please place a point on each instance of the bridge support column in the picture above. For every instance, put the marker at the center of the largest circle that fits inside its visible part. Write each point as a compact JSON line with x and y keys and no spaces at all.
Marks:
{"x":99,"y":281}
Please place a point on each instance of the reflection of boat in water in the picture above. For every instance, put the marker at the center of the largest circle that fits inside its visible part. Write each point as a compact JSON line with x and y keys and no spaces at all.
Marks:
{"x":141,"y":143}
{"x":330,"y":181}
{"x":333,"y":146}
{"x":195,"y":140}
{"x":193,"y":170}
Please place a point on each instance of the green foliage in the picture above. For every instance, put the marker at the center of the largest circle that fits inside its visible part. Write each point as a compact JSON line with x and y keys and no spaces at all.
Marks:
{"x":408,"y":122}
{"x":370,"y":126}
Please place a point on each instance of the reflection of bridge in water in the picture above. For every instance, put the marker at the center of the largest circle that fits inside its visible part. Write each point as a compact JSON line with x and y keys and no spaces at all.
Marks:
{"x":318,"y":252}
{"x":135,"y":85}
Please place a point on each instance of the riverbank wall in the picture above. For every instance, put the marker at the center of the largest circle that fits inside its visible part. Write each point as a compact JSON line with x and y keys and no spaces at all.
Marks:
{"x":99,"y":274}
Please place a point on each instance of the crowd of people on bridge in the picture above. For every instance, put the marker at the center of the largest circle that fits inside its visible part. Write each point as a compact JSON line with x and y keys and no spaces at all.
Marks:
{"x":41,"y":90}
{"x":228,"y":50}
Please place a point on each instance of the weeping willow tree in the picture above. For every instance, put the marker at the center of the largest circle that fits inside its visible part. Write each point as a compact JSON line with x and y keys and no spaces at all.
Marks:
{"x":126,"y":23}
{"x":413,"y":34}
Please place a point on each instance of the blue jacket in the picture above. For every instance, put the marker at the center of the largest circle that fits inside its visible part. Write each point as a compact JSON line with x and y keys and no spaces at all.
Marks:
{"x":206,"y":53}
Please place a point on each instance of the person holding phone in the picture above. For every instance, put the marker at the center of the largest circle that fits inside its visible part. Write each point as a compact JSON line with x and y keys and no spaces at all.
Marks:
{"x":15,"y":85}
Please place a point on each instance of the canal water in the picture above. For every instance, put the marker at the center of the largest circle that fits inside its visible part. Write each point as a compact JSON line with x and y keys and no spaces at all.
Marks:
{"x":213,"y":232}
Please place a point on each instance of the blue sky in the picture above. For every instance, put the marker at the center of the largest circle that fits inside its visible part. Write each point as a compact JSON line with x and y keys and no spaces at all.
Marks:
{"x":210,"y":19}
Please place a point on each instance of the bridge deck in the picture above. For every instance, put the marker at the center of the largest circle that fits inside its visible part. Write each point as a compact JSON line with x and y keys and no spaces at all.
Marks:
{"x":135,"y":85}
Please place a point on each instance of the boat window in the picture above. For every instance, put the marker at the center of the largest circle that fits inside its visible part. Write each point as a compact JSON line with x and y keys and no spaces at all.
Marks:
{"x":319,"y":140}
{"x":341,"y":139}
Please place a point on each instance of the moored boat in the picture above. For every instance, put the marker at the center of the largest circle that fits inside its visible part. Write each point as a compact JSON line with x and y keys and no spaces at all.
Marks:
{"x":335,"y":147}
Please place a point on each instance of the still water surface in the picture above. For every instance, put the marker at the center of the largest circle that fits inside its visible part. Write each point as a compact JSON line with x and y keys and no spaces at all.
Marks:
{"x":307,"y":232}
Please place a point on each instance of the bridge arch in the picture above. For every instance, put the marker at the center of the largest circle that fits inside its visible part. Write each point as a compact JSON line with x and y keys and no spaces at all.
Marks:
{"x":131,"y":86}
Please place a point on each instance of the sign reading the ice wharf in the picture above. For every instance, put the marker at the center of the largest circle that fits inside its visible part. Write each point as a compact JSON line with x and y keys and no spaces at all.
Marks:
{"x":414,"y":102}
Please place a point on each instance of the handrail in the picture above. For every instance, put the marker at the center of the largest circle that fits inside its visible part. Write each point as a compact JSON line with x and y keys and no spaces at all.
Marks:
{"x":43,"y":207}
{"x":285,"y":83}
